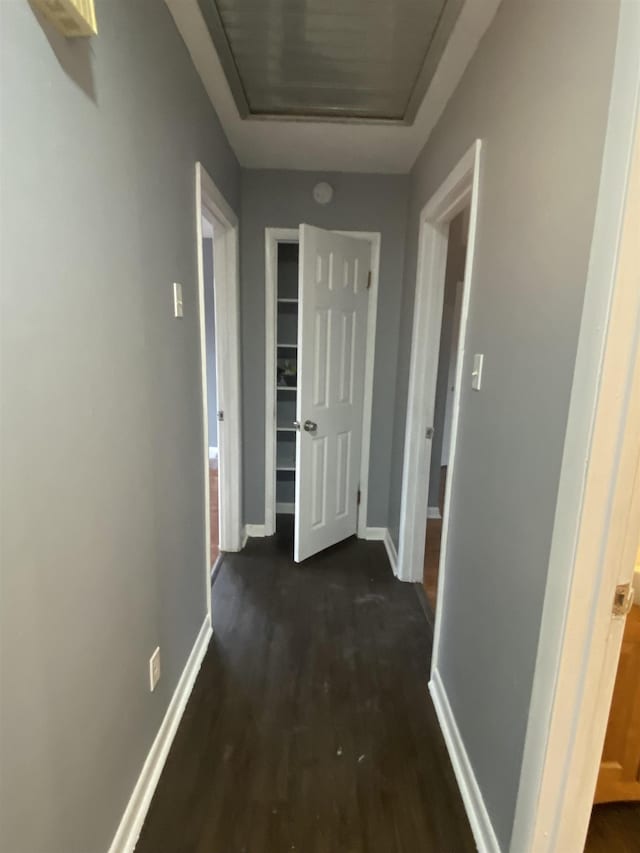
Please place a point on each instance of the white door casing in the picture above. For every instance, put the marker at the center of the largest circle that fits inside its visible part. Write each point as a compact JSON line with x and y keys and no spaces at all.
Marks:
{"x":332,"y":328}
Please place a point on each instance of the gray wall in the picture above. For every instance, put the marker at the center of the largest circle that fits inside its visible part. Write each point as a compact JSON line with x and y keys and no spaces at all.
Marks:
{"x":102,"y":543}
{"x":537,"y":93}
{"x":210,"y":337}
{"x":363,"y":203}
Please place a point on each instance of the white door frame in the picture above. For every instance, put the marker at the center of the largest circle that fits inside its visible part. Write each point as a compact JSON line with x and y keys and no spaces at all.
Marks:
{"x":459,"y":190}
{"x":597,"y":519}
{"x":273,"y":236}
{"x":211,"y":204}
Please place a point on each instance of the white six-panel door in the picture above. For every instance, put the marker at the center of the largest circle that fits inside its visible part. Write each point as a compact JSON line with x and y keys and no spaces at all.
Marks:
{"x":332,"y":327}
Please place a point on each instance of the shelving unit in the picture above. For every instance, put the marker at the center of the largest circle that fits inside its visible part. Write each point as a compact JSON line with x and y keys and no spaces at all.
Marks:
{"x":286,"y":394}
{"x":286,"y":456}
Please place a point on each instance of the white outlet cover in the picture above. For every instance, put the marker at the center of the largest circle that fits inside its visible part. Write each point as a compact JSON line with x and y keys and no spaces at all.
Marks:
{"x":177,"y":300}
{"x":154,"y":669}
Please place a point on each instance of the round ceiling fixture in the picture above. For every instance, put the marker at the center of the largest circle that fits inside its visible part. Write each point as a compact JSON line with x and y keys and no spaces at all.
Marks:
{"x":323,"y":192}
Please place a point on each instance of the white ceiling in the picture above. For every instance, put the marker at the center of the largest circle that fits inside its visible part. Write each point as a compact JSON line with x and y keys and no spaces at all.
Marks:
{"x":329,"y":145}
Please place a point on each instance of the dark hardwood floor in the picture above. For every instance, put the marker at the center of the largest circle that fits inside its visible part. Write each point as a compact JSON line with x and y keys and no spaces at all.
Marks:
{"x":310,"y":727}
{"x":614,"y":828}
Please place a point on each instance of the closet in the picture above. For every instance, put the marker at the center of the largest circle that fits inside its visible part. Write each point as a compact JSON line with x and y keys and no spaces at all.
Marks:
{"x":317,"y":307}
{"x":286,"y":376}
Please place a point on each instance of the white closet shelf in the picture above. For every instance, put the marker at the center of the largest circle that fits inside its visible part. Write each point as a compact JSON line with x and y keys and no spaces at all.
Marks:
{"x":288,"y":346}
{"x":285,"y":420}
{"x":288,"y":301}
{"x":286,"y":456}
{"x":286,"y":388}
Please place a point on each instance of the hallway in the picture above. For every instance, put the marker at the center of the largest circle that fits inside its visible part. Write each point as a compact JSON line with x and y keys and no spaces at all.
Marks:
{"x":310,"y":727}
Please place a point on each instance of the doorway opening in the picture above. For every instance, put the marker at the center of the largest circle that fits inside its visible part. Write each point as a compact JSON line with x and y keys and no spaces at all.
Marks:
{"x":218,"y":304}
{"x":447,"y":228}
{"x":444,"y":399}
{"x":212,"y":388}
{"x":321,"y":304}
{"x":286,"y":382}
{"x":615,"y":817}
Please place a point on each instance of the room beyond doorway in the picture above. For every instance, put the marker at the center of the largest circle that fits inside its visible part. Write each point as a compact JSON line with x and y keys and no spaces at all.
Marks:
{"x":445,"y":394}
{"x":212,"y":387}
{"x":218,"y":309}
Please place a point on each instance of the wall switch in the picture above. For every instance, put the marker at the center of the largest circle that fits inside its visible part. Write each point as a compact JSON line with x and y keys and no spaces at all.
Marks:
{"x":177,"y":300}
{"x":476,"y":376}
{"x":154,"y":669}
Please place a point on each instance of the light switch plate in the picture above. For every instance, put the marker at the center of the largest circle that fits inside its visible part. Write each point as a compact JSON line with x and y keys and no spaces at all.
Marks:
{"x":154,"y":669}
{"x":476,"y":376}
{"x":177,"y":300}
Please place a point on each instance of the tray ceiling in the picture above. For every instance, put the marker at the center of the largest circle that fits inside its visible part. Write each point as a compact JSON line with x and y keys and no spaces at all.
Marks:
{"x":361,"y":127}
{"x":338,"y":59}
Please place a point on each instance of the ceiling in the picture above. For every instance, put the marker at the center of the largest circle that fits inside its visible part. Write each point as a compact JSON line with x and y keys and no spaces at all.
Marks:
{"x":330,"y":85}
{"x":347,"y":59}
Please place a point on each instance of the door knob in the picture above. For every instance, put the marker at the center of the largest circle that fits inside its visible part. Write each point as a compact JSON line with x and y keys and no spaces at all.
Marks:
{"x":310,"y":426}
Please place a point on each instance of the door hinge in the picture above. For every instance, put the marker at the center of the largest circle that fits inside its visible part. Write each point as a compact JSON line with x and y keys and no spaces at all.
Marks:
{"x":622,"y":600}
{"x":369,"y":280}
{"x":220,"y":415}
{"x":429,"y":432}
{"x":358,"y":498}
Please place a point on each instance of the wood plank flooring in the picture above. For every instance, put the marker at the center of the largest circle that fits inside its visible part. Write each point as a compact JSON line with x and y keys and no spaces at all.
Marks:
{"x":431,"y":567}
{"x":432,"y":561}
{"x":614,"y":828}
{"x":310,"y":727}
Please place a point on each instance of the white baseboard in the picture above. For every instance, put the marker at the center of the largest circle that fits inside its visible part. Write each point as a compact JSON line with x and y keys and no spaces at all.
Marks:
{"x":481,"y":825}
{"x":213,"y":453}
{"x":433,"y":512}
{"x":255,"y":530}
{"x":134,"y":815}
{"x":392,"y":554}
{"x":243,"y":536}
{"x":375,"y":534}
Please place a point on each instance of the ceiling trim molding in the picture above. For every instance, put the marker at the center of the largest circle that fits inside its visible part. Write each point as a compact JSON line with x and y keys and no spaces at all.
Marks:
{"x":213,"y":22}
{"x":444,"y":29}
{"x":339,"y":146}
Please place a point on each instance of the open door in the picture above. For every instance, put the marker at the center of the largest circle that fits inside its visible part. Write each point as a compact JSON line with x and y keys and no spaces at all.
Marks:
{"x":332,"y":328}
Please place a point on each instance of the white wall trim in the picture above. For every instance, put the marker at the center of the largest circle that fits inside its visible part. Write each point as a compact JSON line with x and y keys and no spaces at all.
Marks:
{"x":433,"y":512}
{"x":273,"y":236}
{"x":255,"y":531}
{"x":392,"y":554}
{"x":481,"y":826}
{"x":458,"y":190}
{"x":211,"y":206}
{"x":134,"y":815}
{"x":375,"y":534}
{"x":597,"y":516}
